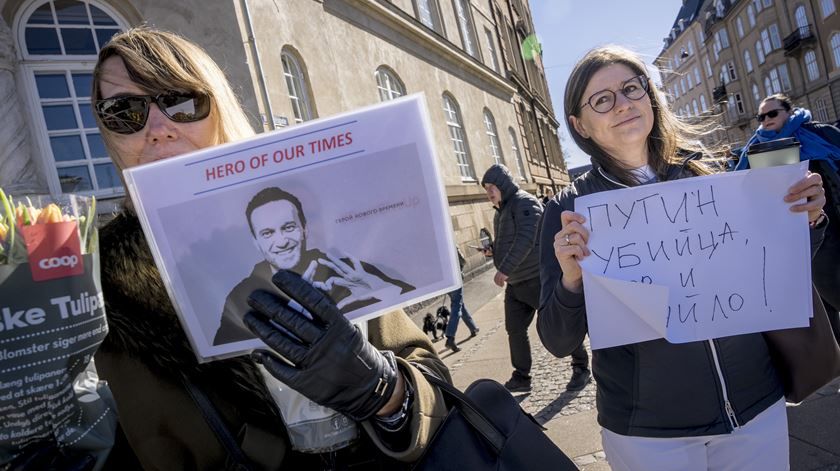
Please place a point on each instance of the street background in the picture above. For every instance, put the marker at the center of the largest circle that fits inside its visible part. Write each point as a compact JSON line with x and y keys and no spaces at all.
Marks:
{"x":570,"y":417}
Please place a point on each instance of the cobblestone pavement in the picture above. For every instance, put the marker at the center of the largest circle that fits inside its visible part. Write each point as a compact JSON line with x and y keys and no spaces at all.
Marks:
{"x":549,"y":376}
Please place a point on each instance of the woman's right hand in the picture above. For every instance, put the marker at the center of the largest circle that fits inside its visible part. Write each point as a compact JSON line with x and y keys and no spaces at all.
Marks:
{"x":570,"y":248}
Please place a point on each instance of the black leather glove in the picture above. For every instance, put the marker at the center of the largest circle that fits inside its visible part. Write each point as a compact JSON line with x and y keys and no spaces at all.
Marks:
{"x":332,"y":363}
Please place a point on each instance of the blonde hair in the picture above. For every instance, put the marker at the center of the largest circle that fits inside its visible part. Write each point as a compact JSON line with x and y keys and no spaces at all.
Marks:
{"x":160,"y":61}
{"x":670,"y":137}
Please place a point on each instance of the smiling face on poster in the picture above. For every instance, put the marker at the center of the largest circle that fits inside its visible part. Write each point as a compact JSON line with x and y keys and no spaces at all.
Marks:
{"x":352,"y":203}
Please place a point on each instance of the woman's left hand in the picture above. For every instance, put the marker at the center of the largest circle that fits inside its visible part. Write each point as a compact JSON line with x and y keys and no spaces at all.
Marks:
{"x":811,"y":189}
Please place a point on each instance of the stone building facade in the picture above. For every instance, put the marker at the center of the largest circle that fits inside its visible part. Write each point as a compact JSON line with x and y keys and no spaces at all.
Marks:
{"x":723,"y":57}
{"x":291,"y":61}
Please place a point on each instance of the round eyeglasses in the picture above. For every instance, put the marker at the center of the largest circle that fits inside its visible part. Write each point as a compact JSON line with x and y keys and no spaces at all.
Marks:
{"x":604,"y":101}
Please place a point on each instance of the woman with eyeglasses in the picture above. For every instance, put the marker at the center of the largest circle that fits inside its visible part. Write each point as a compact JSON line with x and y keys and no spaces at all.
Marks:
{"x":709,"y":405}
{"x":819,"y":144}
{"x":157,"y":95}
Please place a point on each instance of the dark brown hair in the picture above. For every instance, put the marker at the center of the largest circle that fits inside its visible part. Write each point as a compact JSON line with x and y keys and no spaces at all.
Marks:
{"x":668,"y":140}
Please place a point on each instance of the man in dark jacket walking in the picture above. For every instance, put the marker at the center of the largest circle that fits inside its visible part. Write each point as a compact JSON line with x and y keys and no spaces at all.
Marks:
{"x":515,"y":255}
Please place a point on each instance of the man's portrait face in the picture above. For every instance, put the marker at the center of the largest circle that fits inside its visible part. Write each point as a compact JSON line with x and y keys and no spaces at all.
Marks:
{"x":279,"y":234}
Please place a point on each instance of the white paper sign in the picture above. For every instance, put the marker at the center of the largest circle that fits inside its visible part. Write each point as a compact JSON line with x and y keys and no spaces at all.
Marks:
{"x":696,"y":259}
{"x":353,"y":202}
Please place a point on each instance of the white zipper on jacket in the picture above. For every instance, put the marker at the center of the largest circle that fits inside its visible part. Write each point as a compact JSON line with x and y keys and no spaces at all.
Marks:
{"x":730,"y":413}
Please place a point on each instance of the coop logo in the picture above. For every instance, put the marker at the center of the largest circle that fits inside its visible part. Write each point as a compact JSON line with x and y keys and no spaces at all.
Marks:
{"x":56,"y":262}
{"x":54,"y":250}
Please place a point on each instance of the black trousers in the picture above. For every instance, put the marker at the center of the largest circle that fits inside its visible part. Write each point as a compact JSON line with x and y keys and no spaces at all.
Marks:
{"x":521,"y":303}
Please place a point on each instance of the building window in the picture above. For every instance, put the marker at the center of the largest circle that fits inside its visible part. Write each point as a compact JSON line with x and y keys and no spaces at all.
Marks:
{"x":514,"y":143}
{"x":739,"y":26}
{"x":751,"y":15}
{"x":759,"y":52}
{"x":491,"y":50}
{"x":756,"y":94}
{"x":768,"y":87}
{"x":689,"y":82}
{"x":827,"y":7}
{"x":801,"y":17}
{"x":768,"y":3}
{"x":708,"y":66}
{"x":748,"y":61}
{"x":61,"y":40}
{"x":690,"y":47}
{"x":429,"y":14}
{"x":775,"y":39}
{"x":695,"y":107}
{"x":775,"y":83}
{"x":730,"y":66}
{"x":821,"y":110}
{"x":765,"y":41}
{"x":297,"y":84}
{"x":835,"y":49}
{"x":458,"y":139}
{"x":697,"y":75}
{"x":465,"y":25}
{"x":784,"y":77}
{"x":739,"y":103}
{"x":389,"y":84}
{"x":757,"y":5}
{"x":493,"y":137}
{"x":811,"y":65}
{"x":703,"y":102}
{"x":720,"y":9}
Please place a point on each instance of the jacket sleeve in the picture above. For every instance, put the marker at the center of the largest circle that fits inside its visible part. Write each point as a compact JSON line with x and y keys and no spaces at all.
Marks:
{"x":397,"y":333}
{"x":561,"y":318}
{"x":527,"y":214}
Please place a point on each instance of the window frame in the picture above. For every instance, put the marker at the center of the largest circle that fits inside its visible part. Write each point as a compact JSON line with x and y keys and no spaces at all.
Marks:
{"x":517,"y":154}
{"x":29,"y":66}
{"x":458,"y":125}
{"x":391,"y":78}
{"x":824,"y":4}
{"x":303,"y":85}
{"x":811,"y":67}
{"x":493,"y":137}
{"x":437,"y":20}
{"x":467,"y":30}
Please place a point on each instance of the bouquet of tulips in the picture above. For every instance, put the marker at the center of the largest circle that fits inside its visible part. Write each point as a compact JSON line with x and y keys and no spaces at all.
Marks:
{"x":15,"y":215}
{"x":55,"y":412}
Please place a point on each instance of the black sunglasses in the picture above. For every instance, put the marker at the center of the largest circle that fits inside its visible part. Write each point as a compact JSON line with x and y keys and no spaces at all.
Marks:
{"x":770,"y":114}
{"x":127,"y":114}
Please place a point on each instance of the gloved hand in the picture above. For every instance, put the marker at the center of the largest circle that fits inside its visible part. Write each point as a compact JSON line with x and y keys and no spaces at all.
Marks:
{"x":332,"y":363}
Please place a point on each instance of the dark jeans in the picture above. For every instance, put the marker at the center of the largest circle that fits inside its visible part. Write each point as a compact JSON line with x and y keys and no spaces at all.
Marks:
{"x":458,"y":311}
{"x":521,"y":303}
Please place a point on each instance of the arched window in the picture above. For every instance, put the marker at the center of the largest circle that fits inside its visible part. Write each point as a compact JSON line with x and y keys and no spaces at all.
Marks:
{"x":739,"y":26}
{"x":801,"y":17}
{"x":703,"y":103}
{"x":298,"y":87}
{"x":751,"y":15}
{"x":695,"y":107}
{"x":748,"y":60}
{"x":759,"y":52}
{"x":768,"y":87}
{"x":811,"y":65}
{"x":835,"y":49}
{"x":458,"y":138}
{"x":59,"y":42}
{"x":756,"y":94}
{"x":493,"y":137}
{"x":389,"y":84}
{"x":514,"y":144}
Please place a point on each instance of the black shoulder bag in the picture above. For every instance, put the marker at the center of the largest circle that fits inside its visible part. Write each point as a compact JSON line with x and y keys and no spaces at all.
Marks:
{"x":486,"y":429}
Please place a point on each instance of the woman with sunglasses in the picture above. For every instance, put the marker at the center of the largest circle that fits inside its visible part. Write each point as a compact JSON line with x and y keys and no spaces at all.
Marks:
{"x":157,"y":95}
{"x":662,"y":406}
{"x":819,"y":144}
